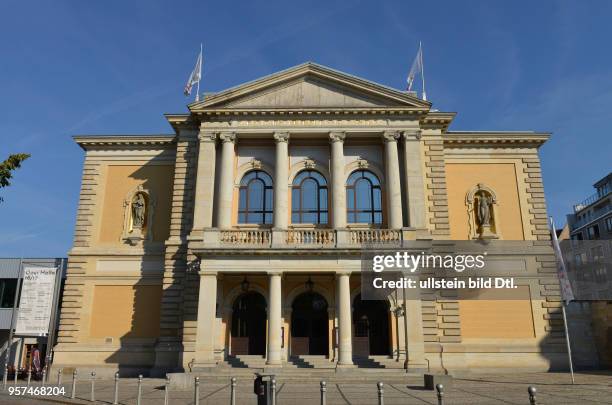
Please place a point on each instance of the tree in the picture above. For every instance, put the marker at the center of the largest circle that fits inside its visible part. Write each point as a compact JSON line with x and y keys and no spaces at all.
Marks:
{"x":13,"y":162}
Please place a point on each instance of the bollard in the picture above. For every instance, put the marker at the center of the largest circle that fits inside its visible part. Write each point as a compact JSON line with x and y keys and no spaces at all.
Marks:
{"x":74,"y":375}
{"x":116,"y":397}
{"x":196,"y":391}
{"x":5,"y":376}
{"x":44,"y":375}
{"x":532,"y":394}
{"x":381,"y":393}
{"x":233,"y":391}
{"x":138,"y":398}
{"x":93,"y":387}
{"x":440,"y":392}
{"x":166,"y":392}
{"x":29,"y":376}
{"x":59,"y":377}
{"x":273,"y":391}
{"x":323,"y":393}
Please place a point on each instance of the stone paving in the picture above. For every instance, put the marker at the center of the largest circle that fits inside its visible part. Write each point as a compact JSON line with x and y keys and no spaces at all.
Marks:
{"x":552,"y":388}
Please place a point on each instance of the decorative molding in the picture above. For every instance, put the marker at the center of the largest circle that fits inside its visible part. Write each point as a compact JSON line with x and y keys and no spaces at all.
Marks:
{"x":362,"y":163}
{"x":255,"y":164}
{"x":412,"y":134}
{"x":207,"y":136}
{"x":337,"y":136}
{"x":532,"y":139}
{"x":87,"y":142}
{"x":309,"y":163}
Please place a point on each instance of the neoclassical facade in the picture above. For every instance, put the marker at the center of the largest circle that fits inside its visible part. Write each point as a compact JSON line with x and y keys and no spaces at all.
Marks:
{"x":236,"y":240}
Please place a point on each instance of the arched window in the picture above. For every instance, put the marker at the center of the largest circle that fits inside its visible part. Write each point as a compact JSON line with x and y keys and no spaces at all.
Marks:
{"x":363,"y":198}
{"x":256,"y":198}
{"x":309,"y":198}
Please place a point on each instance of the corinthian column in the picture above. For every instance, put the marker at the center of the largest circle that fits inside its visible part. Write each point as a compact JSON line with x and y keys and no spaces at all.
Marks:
{"x":226,"y":181}
{"x":394,"y":191}
{"x":205,"y":181}
{"x":337,"y":173}
{"x":345,"y":339}
{"x":274,"y":320}
{"x":415,"y":189}
{"x":281,"y":175}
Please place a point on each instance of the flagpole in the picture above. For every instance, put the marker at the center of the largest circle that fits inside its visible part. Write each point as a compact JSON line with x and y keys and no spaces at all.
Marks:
{"x":197,"y":97}
{"x":422,"y":71}
{"x":564,"y":303}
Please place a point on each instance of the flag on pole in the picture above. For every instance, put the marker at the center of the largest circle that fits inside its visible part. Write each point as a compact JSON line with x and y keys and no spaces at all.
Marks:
{"x":417,"y":67}
{"x":566,"y":288}
{"x":194,"y":77}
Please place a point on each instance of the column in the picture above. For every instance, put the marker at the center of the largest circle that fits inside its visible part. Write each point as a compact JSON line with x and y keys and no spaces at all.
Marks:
{"x":205,"y":181}
{"x":205,"y":329}
{"x":274,"y":319}
{"x":415,"y":189}
{"x":338,"y":186}
{"x":393,"y":189}
{"x":345,"y":337}
{"x":281,"y":177}
{"x":226,"y":181}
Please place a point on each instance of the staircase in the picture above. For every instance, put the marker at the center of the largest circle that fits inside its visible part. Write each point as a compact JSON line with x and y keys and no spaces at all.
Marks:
{"x":311,"y":362}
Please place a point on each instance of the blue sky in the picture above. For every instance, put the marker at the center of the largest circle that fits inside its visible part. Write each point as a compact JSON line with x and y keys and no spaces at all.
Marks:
{"x":96,"y":67}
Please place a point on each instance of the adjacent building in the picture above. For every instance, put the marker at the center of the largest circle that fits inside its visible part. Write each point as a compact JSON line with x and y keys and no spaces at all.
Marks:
{"x":237,"y":239}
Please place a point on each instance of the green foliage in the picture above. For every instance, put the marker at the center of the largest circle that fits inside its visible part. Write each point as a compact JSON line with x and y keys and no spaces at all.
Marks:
{"x":13,"y":162}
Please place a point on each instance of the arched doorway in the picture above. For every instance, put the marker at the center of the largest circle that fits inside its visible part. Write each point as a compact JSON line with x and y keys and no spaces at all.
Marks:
{"x":248,"y":331}
{"x":309,"y":325}
{"x":370,"y":327}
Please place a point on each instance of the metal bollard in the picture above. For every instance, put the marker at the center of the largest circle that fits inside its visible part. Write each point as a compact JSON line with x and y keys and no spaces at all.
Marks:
{"x":5,"y":376}
{"x":273,"y":391}
{"x":166,"y":392}
{"x":196,"y":391}
{"x":93,"y":387}
{"x":323,"y":393}
{"x":233,"y":391}
{"x":138,"y":398}
{"x":440,"y":392}
{"x":532,"y":394}
{"x":74,"y":375}
{"x":59,"y":377}
{"x":381,"y":393}
{"x":44,"y":376}
{"x":116,"y":397}
{"x":29,"y":375}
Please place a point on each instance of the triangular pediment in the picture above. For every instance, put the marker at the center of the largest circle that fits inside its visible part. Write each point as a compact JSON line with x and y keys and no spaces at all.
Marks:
{"x":309,"y":86}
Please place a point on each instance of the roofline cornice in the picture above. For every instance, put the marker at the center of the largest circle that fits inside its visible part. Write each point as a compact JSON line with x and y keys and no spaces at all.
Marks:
{"x":311,"y":111}
{"x":88,"y":142}
{"x":491,"y":138}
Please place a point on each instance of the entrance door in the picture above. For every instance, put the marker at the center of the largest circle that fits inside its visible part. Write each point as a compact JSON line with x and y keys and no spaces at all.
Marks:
{"x":309,"y":325}
{"x":248,"y":332}
{"x":371,"y":327}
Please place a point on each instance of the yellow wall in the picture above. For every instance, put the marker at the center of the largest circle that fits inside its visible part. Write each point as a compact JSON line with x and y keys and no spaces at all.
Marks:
{"x":120,"y":181}
{"x":501,"y":178}
{"x":126,"y":311}
{"x":492,"y":316}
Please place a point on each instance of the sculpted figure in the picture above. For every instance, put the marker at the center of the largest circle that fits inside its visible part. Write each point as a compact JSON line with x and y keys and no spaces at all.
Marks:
{"x":138,"y":211}
{"x":484,"y":210}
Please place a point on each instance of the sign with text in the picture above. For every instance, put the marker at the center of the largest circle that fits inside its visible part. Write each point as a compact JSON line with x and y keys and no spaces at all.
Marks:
{"x":36,"y":301}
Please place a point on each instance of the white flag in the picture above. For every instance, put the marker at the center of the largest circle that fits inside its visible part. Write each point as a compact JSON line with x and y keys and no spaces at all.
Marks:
{"x":566,"y":288}
{"x":194,"y":77}
{"x":417,"y":67}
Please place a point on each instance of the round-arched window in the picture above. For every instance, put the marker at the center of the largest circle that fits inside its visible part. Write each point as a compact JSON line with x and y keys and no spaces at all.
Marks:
{"x":256,"y":199}
{"x":309,"y":198}
{"x":363,"y":198}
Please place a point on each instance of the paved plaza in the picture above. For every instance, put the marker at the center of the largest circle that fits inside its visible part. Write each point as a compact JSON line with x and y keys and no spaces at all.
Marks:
{"x":552,"y":388}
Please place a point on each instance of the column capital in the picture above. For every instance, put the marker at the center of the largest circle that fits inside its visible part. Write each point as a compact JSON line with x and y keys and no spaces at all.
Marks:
{"x":228,"y":137}
{"x":337,"y":136}
{"x":341,"y":273}
{"x":281,"y":137}
{"x":207,"y":136}
{"x":274,"y":273}
{"x":390,"y":136}
{"x":412,"y":134}
{"x":207,"y":273}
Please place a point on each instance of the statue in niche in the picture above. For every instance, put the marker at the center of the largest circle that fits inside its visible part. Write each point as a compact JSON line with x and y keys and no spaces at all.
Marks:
{"x":484,"y":210}
{"x":139,"y":211}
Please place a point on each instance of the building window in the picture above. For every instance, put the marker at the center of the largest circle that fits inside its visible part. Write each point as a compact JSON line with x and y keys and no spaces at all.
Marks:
{"x":609,"y":224}
{"x":309,"y":198}
{"x":8,"y":286}
{"x":256,"y":198}
{"x":593,"y":232}
{"x":363,"y":198}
